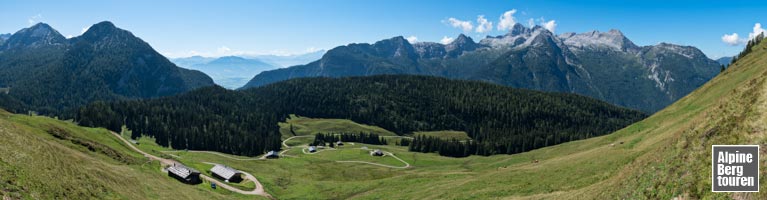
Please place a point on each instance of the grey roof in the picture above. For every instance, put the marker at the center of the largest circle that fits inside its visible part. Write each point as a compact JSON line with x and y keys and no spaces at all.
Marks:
{"x":224,"y":171}
{"x":272,"y":153}
{"x":182,"y":171}
{"x":312,"y":148}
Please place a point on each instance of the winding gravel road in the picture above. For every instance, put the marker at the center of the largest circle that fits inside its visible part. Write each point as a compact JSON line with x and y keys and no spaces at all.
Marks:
{"x":215,"y":153}
{"x":259,"y":190}
{"x":407,"y":165}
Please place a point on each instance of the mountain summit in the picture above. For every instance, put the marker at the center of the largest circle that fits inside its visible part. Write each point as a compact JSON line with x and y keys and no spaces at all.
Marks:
{"x":603,"y":65}
{"x":611,"y":39}
{"x":36,"y":36}
{"x":105,"y":63}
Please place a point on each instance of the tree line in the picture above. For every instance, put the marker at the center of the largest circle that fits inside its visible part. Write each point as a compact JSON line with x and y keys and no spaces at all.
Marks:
{"x":748,"y":49}
{"x":322,"y":139}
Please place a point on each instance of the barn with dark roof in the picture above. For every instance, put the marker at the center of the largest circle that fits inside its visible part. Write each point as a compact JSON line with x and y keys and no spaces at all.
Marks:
{"x":184,"y":174}
{"x":226,"y":173}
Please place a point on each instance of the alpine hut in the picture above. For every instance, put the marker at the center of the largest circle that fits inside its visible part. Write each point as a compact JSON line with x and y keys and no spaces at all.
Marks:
{"x":272,"y":154}
{"x":226,"y":173}
{"x":376,"y":152}
{"x":184,"y":174}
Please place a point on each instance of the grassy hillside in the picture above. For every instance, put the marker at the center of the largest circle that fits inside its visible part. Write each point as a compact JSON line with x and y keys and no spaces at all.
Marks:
{"x":34,"y":164}
{"x":309,"y":126}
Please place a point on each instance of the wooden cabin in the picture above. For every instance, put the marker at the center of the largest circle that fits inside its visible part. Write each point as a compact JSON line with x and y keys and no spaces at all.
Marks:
{"x":272,"y":155}
{"x":376,"y":152}
{"x":227,"y":174}
{"x":184,"y":174}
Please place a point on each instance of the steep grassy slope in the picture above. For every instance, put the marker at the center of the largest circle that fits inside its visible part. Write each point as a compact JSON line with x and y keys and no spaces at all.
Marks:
{"x":673,"y":147}
{"x":728,"y":110}
{"x":34,"y":164}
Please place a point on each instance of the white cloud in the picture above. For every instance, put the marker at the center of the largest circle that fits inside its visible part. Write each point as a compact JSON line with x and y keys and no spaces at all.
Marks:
{"x":731,"y":39}
{"x":84,"y":29}
{"x":34,"y":19}
{"x":412,"y":39}
{"x":446,"y":40}
{"x":466,"y":26}
{"x":734,"y":40}
{"x":69,"y":36}
{"x":530,"y":22}
{"x":550,"y":25}
{"x":483,"y":25}
{"x":313,"y":49}
{"x":223,"y":50}
{"x":757,"y":30}
{"x":507,"y":21}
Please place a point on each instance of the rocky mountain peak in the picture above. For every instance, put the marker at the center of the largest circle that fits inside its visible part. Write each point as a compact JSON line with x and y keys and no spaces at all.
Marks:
{"x":101,"y":29}
{"x":395,"y":47}
{"x":461,"y":44}
{"x":518,"y":29}
{"x":686,"y":51}
{"x":518,"y":35}
{"x":38,"y":35}
{"x":107,"y":35}
{"x":594,"y":39}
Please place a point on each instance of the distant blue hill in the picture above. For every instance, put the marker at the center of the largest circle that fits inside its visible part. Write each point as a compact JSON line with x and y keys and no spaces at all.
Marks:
{"x":229,"y":71}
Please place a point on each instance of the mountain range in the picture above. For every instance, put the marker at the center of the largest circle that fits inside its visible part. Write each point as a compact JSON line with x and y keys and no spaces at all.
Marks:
{"x":288,"y":60}
{"x":228,"y":71}
{"x":49,"y":73}
{"x":603,"y":65}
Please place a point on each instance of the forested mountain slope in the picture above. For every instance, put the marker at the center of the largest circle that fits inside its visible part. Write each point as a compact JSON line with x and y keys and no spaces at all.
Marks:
{"x":245,"y":122}
{"x":50,"y":74}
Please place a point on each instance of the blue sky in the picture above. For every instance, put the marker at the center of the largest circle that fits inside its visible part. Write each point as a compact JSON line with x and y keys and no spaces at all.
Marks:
{"x":183,"y":28}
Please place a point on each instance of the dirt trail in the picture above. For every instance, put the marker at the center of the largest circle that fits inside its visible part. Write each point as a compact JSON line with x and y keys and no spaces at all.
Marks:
{"x":407,"y":165}
{"x":216,"y":153}
{"x":259,"y":190}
